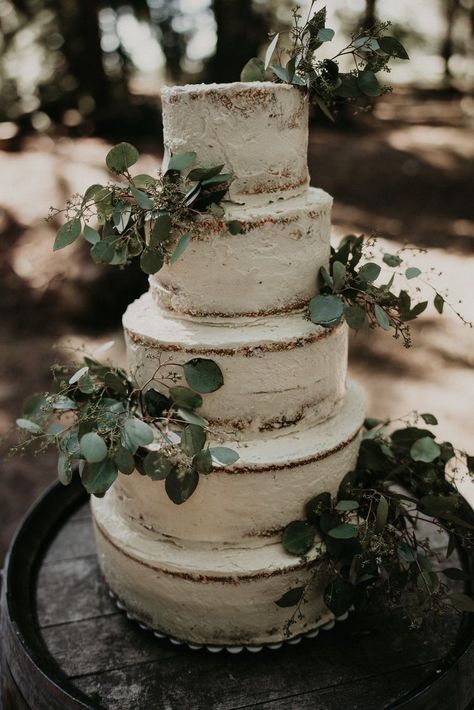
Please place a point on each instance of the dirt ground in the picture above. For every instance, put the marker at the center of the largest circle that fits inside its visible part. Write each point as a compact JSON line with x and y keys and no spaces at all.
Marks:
{"x":406,"y":173}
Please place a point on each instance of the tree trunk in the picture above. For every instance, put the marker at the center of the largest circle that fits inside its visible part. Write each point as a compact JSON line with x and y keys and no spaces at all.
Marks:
{"x":370,"y":17}
{"x":240,"y":33}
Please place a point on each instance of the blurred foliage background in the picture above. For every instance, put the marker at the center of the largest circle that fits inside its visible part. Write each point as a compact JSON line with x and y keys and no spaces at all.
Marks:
{"x":76,"y":77}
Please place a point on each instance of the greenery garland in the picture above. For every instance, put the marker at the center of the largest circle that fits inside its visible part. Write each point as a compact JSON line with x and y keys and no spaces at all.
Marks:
{"x":142,"y":215}
{"x":368,"y":539}
{"x":98,"y":418}
{"x":370,"y":50}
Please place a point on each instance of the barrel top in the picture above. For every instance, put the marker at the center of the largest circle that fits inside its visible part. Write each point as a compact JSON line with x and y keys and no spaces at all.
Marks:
{"x":66,"y":645}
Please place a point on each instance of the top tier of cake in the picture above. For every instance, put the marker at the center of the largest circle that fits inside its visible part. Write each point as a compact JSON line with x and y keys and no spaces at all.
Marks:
{"x":258,"y":130}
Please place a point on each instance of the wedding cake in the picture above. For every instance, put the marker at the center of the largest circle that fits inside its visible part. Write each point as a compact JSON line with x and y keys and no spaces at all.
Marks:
{"x":210,"y":571}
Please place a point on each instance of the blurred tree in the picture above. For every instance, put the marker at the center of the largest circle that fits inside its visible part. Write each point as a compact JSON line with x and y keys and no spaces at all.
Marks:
{"x":370,"y":17}
{"x":241,"y":30}
{"x":451,"y":10}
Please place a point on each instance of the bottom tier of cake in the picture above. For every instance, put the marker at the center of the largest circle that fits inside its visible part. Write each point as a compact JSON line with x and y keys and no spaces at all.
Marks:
{"x":204,"y":594}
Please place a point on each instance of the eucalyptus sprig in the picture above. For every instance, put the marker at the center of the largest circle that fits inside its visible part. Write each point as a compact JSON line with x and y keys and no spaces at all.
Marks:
{"x":98,"y":418}
{"x":370,"y":52}
{"x":371,"y":546}
{"x":144,"y":216}
{"x":348,"y":291}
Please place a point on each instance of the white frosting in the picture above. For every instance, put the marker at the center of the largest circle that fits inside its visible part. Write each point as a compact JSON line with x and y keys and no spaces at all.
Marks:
{"x":259,"y":131}
{"x":276,"y":369}
{"x":205,"y":595}
{"x":271,"y":482}
{"x":273,"y":266}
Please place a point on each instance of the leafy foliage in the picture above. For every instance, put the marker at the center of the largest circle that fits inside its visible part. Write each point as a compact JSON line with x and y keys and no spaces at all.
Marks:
{"x":99,"y":419}
{"x":144,"y":217}
{"x":348,"y":291}
{"x":371,"y":543}
{"x":371,"y":51}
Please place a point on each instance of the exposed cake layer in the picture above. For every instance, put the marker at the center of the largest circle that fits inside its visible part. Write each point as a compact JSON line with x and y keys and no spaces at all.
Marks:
{"x":205,"y":595}
{"x":254,"y":499}
{"x":259,"y":131}
{"x":271,"y":267}
{"x":276,"y":369}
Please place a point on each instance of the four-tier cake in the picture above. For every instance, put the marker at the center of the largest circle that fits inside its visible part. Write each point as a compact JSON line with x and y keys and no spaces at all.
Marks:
{"x":210,"y":571}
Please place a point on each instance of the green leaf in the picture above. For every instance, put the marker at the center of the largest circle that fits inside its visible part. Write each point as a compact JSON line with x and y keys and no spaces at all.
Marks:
{"x":347,"y":505}
{"x":315,"y":507}
{"x":184,"y":397}
{"x":224,"y":455}
{"x":203,"y":375}
{"x":324,"y":108}
{"x":115,"y":383}
{"x":136,"y":433}
{"x":280,"y":72}
{"x":392,"y":47}
{"x":78,"y":374}
{"x":298,"y":537}
{"x":326,"y":310}
{"x":368,"y":83}
{"x":124,"y":460}
{"x":439,"y":506}
{"x":345,"y":531}
{"x":102,"y":252}
{"x":92,"y":192}
{"x":338,"y":596}
{"x":121,"y":157}
{"x":412,"y":272}
{"x":355,"y":316}
{"x":28,"y":425}
{"x":199,"y":174}
{"x":462,"y":602}
{"x":91,"y":235}
{"x":382,"y":318}
{"x":425,"y":450}
{"x":405,"y":553}
{"x":217,"y":179}
{"x":216,"y":210}
{"x":234,"y":226}
{"x":392,"y":260}
{"x":382,"y":514}
{"x":338,"y":275}
{"x":151,"y":261}
{"x":456,"y":574}
{"x":349,"y":88}
{"x":180,"y":247}
{"x":93,"y":447}
{"x":438,"y":303}
{"x":180,"y":485}
{"x":325,"y":34}
{"x":369,"y":272}
{"x":67,"y":234}
{"x":156,"y":403}
{"x":64,"y":470}
{"x":35,"y":404}
{"x":143,"y":180}
{"x":202,"y":461}
{"x":157,"y":466}
{"x":416,"y":310}
{"x":192,"y":417}
{"x":62,"y":403}
{"x":142,"y":200}
{"x":161,"y":229}
{"x":270,"y":49}
{"x":98,"y":477}
{"x":429,"y":419}
{"x":254,"y":70}
{"x":291,"y":597}
{"x":193,"y":439}
{"x":181,"y":161}
{"x":372,"y":422}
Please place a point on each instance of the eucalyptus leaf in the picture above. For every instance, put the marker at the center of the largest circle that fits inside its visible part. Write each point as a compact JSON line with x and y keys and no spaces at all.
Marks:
{"x":156,"y":403}
{"x":344,"y":531}
{"x":270,"y":49}
{"x":203,"y":375}
{"x":151,"y":261}
{"x":429,"y":419}
{"x":298,"y":537}
{"x":368,"y":83}
{"x":234,"y":226}
{"x":93,"y":447}
{"x":202,"y":461}
{"x":124,"y":460}
{"x":193,"y":439}
{"x":412,"y":272}
{"x":199,"y":174}
{"x":78,"y":374}
{"x":142,"y":199}
{"x":291,"y":598}
{"x":392,"y":47}
{"x":425,"y":450}
{"x":91,"y":235}
{"x":136,"y":433}
{"x":98,"y":477}
{"x":326,"y":310}
{"x":369,"y":272}
{"x":347,"y":505}
{"x":157,"y":466}
{"x":64,"y":469}
{"x":121,"y":157}
{"x":438,"y":303}
{"x":192,"y":417}
{"x":180,"y":485}
{"x":280,"y":72}
{"x":339,"y":596}
{"x":67,"y":234}
{"x":381,"y":514}
{"x":338,"y":275}
{"x":355,"y":316}
{"x":28,"y":425}
{"x":184,"y":397}
{"x":325,"y":34}
{"x":180,"y":247}
{"x":102,"y":252}
{"x":254,"y":70}
{"x":382,"y":318}
{"x":224,"y":455}
{"x":392,"y":260}
{"x":180,"y":161}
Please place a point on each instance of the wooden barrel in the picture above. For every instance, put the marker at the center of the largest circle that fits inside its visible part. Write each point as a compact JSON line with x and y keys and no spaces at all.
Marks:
{"x":66,"y":645}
